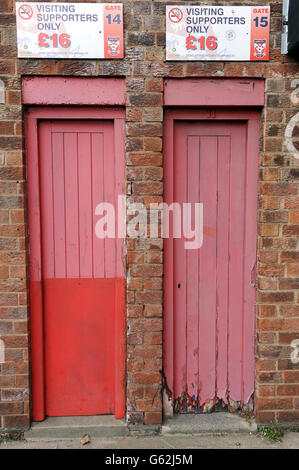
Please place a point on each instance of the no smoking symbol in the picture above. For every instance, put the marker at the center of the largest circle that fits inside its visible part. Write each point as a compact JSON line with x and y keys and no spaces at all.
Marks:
{"x":25,"y":12}
{"x":175,"y":15}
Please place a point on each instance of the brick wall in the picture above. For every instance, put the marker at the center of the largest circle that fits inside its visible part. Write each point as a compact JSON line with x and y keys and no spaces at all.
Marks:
{"x":277,"y":378}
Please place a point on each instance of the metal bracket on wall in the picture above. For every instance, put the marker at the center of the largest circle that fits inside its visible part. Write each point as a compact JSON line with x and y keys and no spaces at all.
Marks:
{"x":285,"y":28}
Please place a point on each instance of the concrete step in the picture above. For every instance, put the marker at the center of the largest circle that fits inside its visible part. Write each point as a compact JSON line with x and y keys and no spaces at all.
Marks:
{"x":209,"y":423}
{"x":69,"y":427}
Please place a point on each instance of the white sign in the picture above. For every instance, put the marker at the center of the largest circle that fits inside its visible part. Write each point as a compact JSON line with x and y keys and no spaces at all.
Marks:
{"x":217,"y":32}
{"x":70,"y":30}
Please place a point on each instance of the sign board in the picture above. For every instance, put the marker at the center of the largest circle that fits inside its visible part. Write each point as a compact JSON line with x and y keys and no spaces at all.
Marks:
{"x":223,"y":33}
{"x":70,"y":30}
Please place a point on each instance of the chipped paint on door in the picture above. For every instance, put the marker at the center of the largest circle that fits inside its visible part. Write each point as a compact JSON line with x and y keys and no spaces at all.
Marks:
{"x":210,"y":292}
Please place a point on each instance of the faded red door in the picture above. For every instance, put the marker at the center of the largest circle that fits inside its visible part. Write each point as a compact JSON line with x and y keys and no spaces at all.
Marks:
{"x":210,"y":294}
{"x":80,"y":273}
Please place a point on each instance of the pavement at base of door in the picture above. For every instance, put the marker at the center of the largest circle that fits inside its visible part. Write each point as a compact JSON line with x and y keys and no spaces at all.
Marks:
{"x":290,"y":440}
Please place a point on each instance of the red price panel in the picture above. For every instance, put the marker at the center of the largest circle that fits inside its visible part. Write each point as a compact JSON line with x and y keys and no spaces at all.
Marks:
{"x":202,"y":43}
{"x":113,"y":32}
{"x":260,"y":32}
{"x":55,"y":40}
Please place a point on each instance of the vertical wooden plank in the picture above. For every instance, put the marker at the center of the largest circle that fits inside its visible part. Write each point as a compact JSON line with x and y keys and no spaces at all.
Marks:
{"x":58,"y":205}
{"x":109,"y":195}
{"x":207,"y":283}
{"x":120,"y":347}
{"x":97,"y":149}
{"x":236,"y":265}
{"x":36,"y":299}
{"x":85,"y":204}
{"x":250,"y":258}
{"x":33,"y":198}
{"x":224,"y":185}
{"x":168,"y":285}
{"x":119,"y":138}
{"x":192,"y":270}
{"x":180,"y":278}
{"x":71,"y":204}
{"x":46,"y":200}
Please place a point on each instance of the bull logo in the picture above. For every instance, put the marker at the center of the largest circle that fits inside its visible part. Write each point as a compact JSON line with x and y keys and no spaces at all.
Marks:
{"x":260,"y":48}
{"x":113,"y":45}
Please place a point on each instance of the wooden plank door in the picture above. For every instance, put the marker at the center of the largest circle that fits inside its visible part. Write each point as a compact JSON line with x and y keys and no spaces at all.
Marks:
{"x":213,"y":293}
{"x":80,"y":272}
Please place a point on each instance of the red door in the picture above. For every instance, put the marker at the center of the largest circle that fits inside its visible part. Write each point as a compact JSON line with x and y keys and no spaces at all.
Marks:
{"x":210,"y":294}
{"x":80,"y":272}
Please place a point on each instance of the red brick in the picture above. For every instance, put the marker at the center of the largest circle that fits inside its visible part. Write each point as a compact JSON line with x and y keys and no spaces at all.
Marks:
{"x":266,"y":390}
{"x":134,"y":311}
{"x":133,"y":114}
{"x":153,"y":338}
{"x":148,"y":351}
{"x":145,"y":377}
{"x":141,"y":129}
{"x":267,"y":283}
{"x":16,"y":422}
{"x":14,"y":97}
{"x":271,"y":269}
{"x":153,"y":418}
{"x":289,"y":310}
{"x":154,"y":84}
{"x":291,"y":202}
{"x":291,"y":376}
{"x":288,"y":390}
{"x":293,"y":270}
{"x":149,"y":297}
{"x":290,"y":230}
{"x":267,"y":310}
{"x":269,"y":377}
{"x":144,"y":159}
{"x":154,"y":144}
{"x":153,"y":310}
{"x":276,"y":297}
{"x":9,"y":408}
{"x":294,"y":216}
{"x":147,"y":188}
{"x":145,"y":99}
{"x":153,"y":284}
{"x":279,"y":189}
{"x":274,"y":403}
{"x":265,"y":416}
{"x":289,"y":257}
{"x":7,"y":381}
{"x":288,"y":417}
{"x":288,"y":284}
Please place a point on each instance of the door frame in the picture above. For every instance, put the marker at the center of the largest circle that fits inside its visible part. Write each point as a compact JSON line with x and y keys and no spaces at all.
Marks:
{"x":212,"y":113}
{"x":32,"y":116}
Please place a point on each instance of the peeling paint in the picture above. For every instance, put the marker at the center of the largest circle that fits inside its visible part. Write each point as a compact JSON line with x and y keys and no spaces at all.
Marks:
{"x":192,"y":404}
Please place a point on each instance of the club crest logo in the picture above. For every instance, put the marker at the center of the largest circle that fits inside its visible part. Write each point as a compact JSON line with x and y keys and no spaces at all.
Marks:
{"x":260,"y":48}
{"x":113,"y":45}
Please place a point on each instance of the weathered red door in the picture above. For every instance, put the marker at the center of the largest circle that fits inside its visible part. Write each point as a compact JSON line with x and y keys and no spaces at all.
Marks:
{"x":82,"y":289}
{"x":209,"y":292}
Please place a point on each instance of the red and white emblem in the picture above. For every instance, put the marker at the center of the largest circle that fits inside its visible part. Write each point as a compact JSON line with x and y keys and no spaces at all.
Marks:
{"x":113,"y":45}
{"x":260,"y":48}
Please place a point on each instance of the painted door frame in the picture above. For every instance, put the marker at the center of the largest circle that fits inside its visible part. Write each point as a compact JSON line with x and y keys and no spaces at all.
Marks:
{"x":211,"y":100}
{"x":33,"y":114}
